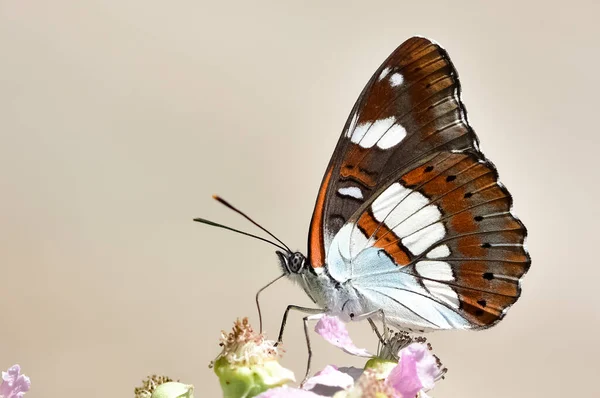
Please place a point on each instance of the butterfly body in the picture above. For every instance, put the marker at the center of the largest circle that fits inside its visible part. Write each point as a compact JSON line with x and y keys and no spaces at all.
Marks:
{"x":410,"y":218}
{"x":335,"y":297}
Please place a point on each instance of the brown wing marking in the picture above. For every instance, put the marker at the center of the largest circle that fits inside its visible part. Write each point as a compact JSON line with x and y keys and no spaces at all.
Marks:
{"x":384,"y":238}
{"x":350,"y":168}
{"x":316,"y":247}
{"x":483,"y":309}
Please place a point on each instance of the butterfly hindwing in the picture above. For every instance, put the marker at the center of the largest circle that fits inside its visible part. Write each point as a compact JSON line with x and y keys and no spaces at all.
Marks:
{"x":409,"y":110}
{"x":447,"y":227}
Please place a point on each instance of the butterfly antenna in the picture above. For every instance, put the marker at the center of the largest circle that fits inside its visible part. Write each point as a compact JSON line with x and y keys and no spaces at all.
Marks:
{"x":214,"y":224}
{"x":229,"y":205}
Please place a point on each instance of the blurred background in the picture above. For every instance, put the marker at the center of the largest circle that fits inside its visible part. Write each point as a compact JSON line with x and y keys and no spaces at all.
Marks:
{"x":120,"y":119}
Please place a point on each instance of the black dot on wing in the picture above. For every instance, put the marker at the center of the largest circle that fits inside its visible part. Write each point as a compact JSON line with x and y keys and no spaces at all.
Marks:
{"x":468,"y":195}
{"x":488,"y":275}
{"x":450,"y":178}
{"x":482,"y":303}
{"x":352,"y":315}
{"x":486,"y":245}
{"x":428,"y":169}
{"x":478,"y":218}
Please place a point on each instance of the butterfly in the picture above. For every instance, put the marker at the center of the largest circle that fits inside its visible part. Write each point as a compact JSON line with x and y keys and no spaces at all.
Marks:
{"x":410,"y":221}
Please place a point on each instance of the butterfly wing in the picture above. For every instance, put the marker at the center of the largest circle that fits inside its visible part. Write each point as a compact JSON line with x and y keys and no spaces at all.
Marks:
{"x":410,"y":211}
{"x":409,"y":110}
{"x":438,"y":248}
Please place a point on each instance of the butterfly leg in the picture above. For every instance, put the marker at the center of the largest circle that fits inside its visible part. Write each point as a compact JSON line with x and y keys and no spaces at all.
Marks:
{"x":316,"y":312}
{"x":369,"y":315}
{"x":257,"y":299}
{"x":306,"y":310}
{"x":376,"y":330}
{"x":308,"y":346}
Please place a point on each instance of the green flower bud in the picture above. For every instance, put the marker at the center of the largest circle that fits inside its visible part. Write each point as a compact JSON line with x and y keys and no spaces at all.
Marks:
{"x":380,"y":367}
{"x":248,"y":363}
{"x":156,"y":386}
{"x":173,"y":389}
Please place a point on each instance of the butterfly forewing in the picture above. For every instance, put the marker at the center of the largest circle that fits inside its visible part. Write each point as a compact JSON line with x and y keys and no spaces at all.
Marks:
{"x":410,"y":211}
{"x":409,"y":110}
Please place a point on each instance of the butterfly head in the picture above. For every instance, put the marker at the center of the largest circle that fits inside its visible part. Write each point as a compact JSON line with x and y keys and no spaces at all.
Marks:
{"x":292,"y":263}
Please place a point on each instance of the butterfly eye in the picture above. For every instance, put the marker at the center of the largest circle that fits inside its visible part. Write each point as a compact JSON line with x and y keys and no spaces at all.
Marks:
{"x":296,"y":262}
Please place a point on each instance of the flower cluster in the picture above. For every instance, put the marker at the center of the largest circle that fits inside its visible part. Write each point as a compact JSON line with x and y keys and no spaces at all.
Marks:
{"x":14,"y":384}
{"x":405,"y":374}
{"x":248,"y":367}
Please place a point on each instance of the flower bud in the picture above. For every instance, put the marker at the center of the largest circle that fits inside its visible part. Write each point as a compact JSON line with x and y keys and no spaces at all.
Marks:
{"x":173,"y":389}
{"x":380,"y":367}
{"x":156,"y":386}
{"x":248,"y":363}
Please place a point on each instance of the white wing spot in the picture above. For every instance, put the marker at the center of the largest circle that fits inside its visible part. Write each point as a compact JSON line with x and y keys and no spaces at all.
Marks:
{"x":393,"y":137}
{"x":439,"y":252}
{"x":352,"y":126}
{"x":384,"y":73}
{"x":433,"y":272}
{"x":423,"y":239}
{"x":442,"y":292}
{"x":396,"y":79}
{"x":437,"y":270}
{"x":383,"y":132}
{"x":353,"y":192}
{"x":367,"y":134}
{"x":410,"y":215}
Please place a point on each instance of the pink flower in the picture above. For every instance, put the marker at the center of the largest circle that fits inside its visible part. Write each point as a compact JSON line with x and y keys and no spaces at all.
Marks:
{"x":14,"y":384}
{"x":417,"y":370}
{"x":333,"y":330}
{"x":329,"y":377}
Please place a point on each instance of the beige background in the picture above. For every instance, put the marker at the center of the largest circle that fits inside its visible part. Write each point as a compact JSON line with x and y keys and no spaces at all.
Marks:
{"x":119,"y":119}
